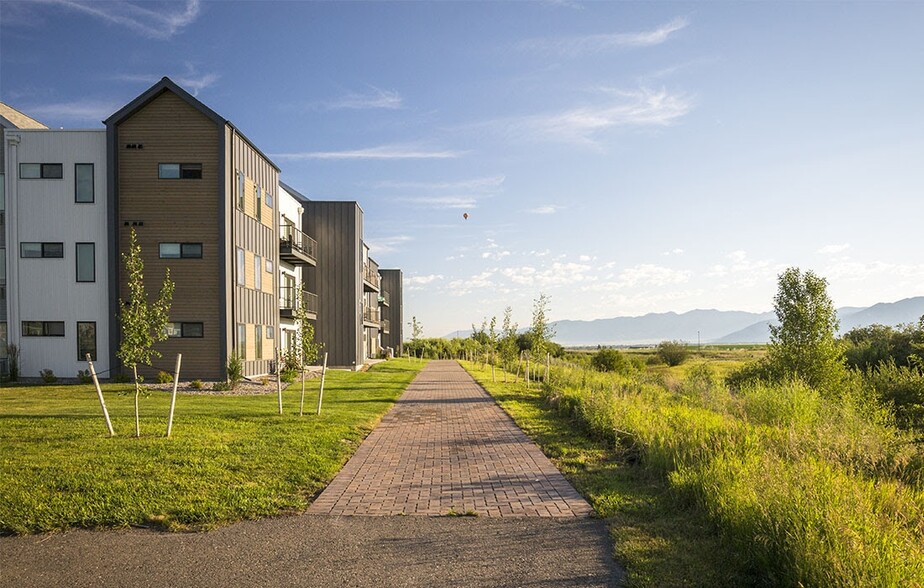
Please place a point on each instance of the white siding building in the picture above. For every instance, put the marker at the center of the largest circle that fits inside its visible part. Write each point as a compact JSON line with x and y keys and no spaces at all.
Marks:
{"x":56,"y":240}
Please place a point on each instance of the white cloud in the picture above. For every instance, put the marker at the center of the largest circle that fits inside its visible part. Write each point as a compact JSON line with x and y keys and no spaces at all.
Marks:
{"x":738,"y":256}
{"x":590,"y":44}
{"x":584,"y":258}
{"x":466,"y":286}
{"x":160,"y":20}
{"x":442,"y":201}
{"x":387,"y":244}
{"x":675,"y":251}
{"x":647,"y":274}
{"x":80,"y":110}
{"x":424,"y":280}
{"x":485,"y":184}
{"x":834,"y":249}
{"x":375,"y":98}
{"x":547,"y":209}
{"x":638,"y":108}
{"x":495,"y":254}
{"x":191,"y":81}
{"x":380,"y":152}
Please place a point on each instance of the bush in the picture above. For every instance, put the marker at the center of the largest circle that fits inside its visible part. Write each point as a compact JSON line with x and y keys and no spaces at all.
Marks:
{"x":48,"y":376}
{"x":235,"y":370}
{"x":196,"y":384}
{"x":84,"y":377}
{"x":12,"y":353}
{"x":222,"y":387}
{"x":289,"y":376}
{"x":164,"y":377}
{"x":610,"y":360}
{"x":751,"y":373}
{"x":121,"y":378}
{"x":902,"y":387}
{"x":673,"y":353}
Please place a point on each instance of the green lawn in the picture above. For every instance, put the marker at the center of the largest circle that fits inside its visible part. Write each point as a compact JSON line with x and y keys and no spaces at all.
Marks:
{"x":229,"y":457}
{"x":658,"y":540}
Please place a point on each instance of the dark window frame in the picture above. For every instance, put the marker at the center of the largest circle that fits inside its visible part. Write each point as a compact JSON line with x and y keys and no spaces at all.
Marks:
{"x":43,"y":167}
{"x":77,"y":262}
{"x":186,"y":329}
{"x":81,"y":353}
{"x":185,"y":171}
{"x":241,"y":189}
{"x":92,"y":199}
{"x":44,"y":247}
{"x":183,"y":246}
{"x":46,"y":329}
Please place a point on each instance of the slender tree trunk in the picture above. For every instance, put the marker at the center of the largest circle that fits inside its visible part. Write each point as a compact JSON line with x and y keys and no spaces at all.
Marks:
{"x":137,"y":393}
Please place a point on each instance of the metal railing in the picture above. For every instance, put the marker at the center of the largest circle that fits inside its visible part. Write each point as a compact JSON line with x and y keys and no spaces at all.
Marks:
{"x":386,"y":326}
{"x":384,"y":298}
{"x":289,"y":236}
{"x":371,"y":314}
{"x":288,"y":299}
{"x":371,"y":275}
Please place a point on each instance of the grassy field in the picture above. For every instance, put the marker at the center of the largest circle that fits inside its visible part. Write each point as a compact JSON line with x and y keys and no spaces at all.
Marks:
{"x":229,"y":458}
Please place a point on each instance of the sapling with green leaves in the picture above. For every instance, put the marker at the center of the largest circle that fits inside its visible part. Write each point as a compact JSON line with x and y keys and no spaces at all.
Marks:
{"x":508,"y":348}
{"x":308,"y":349}
{"x":144,"y":323}
{"x":541,"y":332}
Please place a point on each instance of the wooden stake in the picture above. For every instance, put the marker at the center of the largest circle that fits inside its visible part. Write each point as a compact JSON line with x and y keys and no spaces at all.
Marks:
{"x":99,"y":393}
{"x":301,"y":405}
{"x":323,"y":374}
{"x":176,"y":381}
{"x":279,"y":380}
{"x":527,"y":372}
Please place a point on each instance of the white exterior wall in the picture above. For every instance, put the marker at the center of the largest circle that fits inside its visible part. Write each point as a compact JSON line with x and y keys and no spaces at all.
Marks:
{"x":44,"y":210}
{"x":289,"y":209}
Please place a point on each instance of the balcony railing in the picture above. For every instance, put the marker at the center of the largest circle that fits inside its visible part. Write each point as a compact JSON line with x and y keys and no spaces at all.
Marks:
{"x":371,"y":315}
{"x":371,"y":276}
{"x":288,"y":301}
{"x":296,"y":247}
{"x":386,"y":326}
{"x":384,"y":298}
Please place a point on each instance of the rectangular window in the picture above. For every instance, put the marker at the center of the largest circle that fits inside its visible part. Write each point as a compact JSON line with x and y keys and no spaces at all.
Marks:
{"x":242,"y":340}
{"x":180,"y":250}
{"x":184,"y":330}
{"x":257,"y":272}
{"x":43,"y":328}
{"x":240,"y":191}
{"x":86,"y":341}
{"x":41,"y":249}
{"x":86,"y":262}
{"x":259,"y":202}
{"x":270,"y":332}
{"x":269,"y":199}
{"x":258,"y":341}
{"x":83,"y":183}
{"x":269,"y":265}
{"x":240,"y":267}
{"x":43,"y":171}
{"x":178,"y":171}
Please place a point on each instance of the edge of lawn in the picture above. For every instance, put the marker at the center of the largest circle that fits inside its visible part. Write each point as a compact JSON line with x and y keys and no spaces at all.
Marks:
{"x":659,"y":540}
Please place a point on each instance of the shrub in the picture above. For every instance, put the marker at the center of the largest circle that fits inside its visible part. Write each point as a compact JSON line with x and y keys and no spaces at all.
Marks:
{"x":48,"y":376}
{"x":121,"y":378}
{"x":12,"y":353}
{"x":903,"y":388}
{"x":222,"y":386}
{"x":610,"y":360}
{"x":289,"y":376}
{"x":84,"y":377}
{"x":673,"y":352}
{"x":196,"y":384}
{"x":164,"y":377}
{"x":235,"y":370}
{"x":751,"y":373}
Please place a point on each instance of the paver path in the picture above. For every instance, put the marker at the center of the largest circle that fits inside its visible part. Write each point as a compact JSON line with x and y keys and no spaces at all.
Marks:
{"x":446,"y":447}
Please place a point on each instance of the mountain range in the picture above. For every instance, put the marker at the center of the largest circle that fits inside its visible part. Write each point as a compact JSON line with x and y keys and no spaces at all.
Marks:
{"x":717,"y":326}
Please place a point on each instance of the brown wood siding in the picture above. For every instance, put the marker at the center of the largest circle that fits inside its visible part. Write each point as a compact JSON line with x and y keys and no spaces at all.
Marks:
{"x":392,"y":282}
{"x":172,"y":131}
{"x":250,"y":306}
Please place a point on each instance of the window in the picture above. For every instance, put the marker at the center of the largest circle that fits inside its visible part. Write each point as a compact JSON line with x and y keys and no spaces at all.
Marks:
{"x":184,"y":330}
{"x":240,"y":267}
{"x":41,"y":249}
{"x":181,"y":250}
{"x":269,"y":199}
{"x":270,"y":332}
{"x":258,"y":272}
{"x":258,"y":340}
{"x":179,"y":171}
{"x":41,"y":171}
{"x":43,"y":328}
{"x":86,"y":341}
{"x":83,"y":183}
{"x":269,"y":265}
{"x":86,"y":262}
{"x":240,"y":191}
{"x":259,"y":202}
{"x":242,"y":340}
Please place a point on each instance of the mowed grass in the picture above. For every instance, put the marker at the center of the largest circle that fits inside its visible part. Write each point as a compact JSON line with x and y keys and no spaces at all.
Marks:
{"x":229,"y":457}
{"x":659,"y":540}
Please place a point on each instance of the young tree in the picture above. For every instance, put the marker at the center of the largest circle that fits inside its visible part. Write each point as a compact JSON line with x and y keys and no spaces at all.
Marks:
{"x":804,"y":342}
{"x":508,"y":343}
{"x":143,"y":323}
{"x":673,"y":352}
{"x":541,"y":333}
{"x":308,"y":349}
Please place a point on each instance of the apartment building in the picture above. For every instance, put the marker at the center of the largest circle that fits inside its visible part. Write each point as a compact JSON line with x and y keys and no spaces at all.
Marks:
{"x":392,"y":310}
{"x":202,"y":200}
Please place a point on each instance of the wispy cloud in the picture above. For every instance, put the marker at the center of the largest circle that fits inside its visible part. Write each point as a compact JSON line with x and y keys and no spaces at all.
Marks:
{"x":546,"y":209}
{"x":675,"y":251}
{"x":160,"y":20}
{"x":423,"y":280}
{"x":485,"y":184}
{"x":83,"y":111}
{"x":834,"y":249}
{"x":590,"y":44}
{"x":622,"y":109}
{"x":381,"y":245}
{"x":380,"y":152}
{"x":460,"y":202}
{"x":192,"y":81}
{"x":375,"y":98}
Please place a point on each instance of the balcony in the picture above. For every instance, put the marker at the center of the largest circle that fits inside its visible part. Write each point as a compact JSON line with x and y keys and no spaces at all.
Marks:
{"x":296,"y":247}
{"x":371,"y":317}
{"x":371,"y":279}
{"x":288,"y":302}
{"x":384,"y":298}
{"x":386,"y":326}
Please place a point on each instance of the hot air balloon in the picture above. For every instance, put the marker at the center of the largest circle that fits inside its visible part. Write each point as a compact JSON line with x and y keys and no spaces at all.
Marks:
{"x":465,"y":216}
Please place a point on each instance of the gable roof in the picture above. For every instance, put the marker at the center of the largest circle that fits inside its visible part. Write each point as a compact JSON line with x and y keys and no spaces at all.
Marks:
{"x":12,"y":118}
{"x":168,"y":85}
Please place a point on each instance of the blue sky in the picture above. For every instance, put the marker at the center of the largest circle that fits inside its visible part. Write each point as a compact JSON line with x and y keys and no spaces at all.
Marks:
{"x":623,"y":158}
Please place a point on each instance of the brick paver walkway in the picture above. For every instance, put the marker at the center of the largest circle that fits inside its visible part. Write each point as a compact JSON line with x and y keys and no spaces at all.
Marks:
{"x":447,"y":447}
